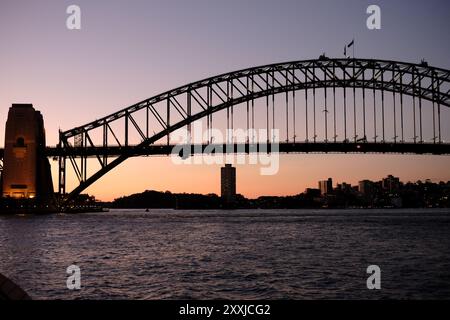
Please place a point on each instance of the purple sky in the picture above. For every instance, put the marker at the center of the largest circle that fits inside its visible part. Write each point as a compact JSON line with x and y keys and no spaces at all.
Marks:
{"x":131,"y":50}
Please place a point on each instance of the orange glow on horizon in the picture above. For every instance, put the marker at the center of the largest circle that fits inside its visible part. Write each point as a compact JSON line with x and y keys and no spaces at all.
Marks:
{"x":297,"y":172}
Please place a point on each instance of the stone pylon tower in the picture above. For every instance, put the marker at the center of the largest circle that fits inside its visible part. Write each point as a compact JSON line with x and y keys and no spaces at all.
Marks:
{"x":26,"y":169}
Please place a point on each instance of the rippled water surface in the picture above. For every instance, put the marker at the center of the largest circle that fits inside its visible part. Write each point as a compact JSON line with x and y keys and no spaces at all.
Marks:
{"x":243,"y":254}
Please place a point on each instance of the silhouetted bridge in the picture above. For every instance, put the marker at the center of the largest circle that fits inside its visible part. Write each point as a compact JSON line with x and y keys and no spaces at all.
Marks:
{"x":319,"y":106}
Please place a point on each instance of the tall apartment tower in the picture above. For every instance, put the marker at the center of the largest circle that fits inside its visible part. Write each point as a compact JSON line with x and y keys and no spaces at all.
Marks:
{"x":26,"y":170}
{"x":326,"y":186}
{"x":228,"y":183}
{"x":391,"y":183}
{"x":366,"y":187}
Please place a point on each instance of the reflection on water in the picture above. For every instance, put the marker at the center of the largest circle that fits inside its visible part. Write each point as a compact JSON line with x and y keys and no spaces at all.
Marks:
{"x":243,"y":254}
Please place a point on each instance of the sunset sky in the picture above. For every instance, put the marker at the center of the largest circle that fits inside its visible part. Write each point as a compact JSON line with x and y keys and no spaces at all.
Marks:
{"x":127,"y":51}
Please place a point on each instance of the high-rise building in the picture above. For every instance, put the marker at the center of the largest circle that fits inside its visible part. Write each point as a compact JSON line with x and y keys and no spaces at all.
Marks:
{"x":228,"y":183}
{"x":391,"y":183}
{"x":26,"y":169}
{"x":326,"y":186}
{"x":366,"y":187}
{"x":344,"y":187}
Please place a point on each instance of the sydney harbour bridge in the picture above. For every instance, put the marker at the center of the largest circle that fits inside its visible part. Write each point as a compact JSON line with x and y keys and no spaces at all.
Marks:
{"x":319,"y":106}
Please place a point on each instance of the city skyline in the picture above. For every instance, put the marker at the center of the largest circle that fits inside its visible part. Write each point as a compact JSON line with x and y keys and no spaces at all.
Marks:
{"x":332,"y":185}
{"x":82,"y":73}
{"x":387,"y":192}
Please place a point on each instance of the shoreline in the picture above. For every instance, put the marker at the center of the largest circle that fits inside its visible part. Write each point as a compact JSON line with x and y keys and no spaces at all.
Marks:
{"x":47,"y":211}
{"x":24,"y":212}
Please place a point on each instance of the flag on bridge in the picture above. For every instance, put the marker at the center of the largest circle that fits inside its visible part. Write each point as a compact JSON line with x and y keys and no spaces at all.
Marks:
{"x":351,"y":44}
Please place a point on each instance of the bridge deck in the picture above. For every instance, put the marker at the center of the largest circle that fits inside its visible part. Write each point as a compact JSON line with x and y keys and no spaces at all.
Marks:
{"x":298,"y":147}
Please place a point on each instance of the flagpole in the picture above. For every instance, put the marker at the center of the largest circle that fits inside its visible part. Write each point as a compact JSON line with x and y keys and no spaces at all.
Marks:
{"x":353,"y":48}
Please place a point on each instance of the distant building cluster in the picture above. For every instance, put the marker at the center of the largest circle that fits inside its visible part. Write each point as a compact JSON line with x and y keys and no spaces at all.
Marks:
{"x":388,"y":192}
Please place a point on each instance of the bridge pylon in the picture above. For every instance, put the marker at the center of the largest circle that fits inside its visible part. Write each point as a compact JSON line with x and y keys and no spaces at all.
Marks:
{"x":26,"y":169}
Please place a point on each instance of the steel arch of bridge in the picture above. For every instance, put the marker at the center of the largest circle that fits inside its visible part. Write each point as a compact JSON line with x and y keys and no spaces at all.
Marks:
{"x":210,"y":95}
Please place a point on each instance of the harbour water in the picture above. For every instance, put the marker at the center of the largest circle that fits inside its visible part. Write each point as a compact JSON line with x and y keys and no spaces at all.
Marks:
{"x":241,"y":254}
